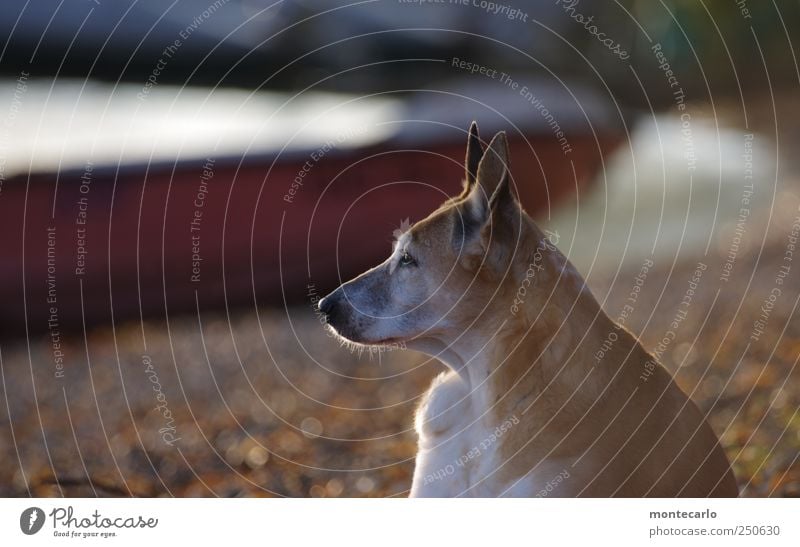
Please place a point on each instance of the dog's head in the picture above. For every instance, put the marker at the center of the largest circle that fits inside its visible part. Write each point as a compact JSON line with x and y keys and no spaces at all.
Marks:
{"x":461,"y":263}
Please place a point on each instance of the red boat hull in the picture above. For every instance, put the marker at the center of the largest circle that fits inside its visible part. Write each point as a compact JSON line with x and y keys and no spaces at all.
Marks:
{"x":104,"y":245}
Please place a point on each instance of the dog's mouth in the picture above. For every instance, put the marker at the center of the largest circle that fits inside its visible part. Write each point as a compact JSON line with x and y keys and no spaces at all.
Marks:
{"x":388,"y":342}
{"x":354,"y":336}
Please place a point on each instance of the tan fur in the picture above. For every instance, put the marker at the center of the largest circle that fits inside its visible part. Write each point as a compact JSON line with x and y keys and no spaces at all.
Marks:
{"x":620,"y":427}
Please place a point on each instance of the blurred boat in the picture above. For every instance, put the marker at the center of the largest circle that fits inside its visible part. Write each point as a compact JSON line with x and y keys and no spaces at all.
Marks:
{"x":115,"y":208}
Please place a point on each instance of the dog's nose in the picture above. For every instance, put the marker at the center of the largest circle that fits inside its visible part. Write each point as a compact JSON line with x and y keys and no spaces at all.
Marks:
{"x":326,"y":305}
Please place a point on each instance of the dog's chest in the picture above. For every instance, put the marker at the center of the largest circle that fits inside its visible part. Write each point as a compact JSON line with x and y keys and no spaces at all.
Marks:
{"x":457,"y":443}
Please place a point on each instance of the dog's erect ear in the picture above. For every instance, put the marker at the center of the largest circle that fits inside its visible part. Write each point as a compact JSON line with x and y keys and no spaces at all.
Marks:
{"x":473,"y":159}
{"x":492,"y":186}
{"x":489,"y":205}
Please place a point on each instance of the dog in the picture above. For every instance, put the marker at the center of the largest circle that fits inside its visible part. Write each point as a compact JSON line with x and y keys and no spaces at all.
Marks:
{"x":524,"y":408}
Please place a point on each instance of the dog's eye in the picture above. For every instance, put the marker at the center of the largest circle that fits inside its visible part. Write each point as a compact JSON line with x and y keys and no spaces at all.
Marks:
{"x":406,"y":259}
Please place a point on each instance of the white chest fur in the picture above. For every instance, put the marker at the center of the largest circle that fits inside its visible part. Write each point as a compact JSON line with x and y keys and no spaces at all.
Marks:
{"x":458,"y":442}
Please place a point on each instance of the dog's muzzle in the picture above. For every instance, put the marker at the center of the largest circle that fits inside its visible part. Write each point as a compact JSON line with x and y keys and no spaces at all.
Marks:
{"x":328,"y":306}
{"x":339,"y":315}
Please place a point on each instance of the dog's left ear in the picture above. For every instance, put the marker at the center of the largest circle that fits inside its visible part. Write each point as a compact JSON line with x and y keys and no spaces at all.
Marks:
{"x":489,"y":207}
{"x":491,"y":191}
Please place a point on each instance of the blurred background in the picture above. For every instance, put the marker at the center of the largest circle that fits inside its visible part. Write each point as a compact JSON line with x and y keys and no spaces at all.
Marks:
{"x":181,"y":181}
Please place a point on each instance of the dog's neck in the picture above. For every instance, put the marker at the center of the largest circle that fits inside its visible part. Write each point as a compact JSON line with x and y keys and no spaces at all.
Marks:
{"x":546,"y":345}
{"x":469,"y":356}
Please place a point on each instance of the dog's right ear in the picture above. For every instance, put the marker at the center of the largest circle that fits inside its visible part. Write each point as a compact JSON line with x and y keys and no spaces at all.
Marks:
{"x":473,"y":159}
